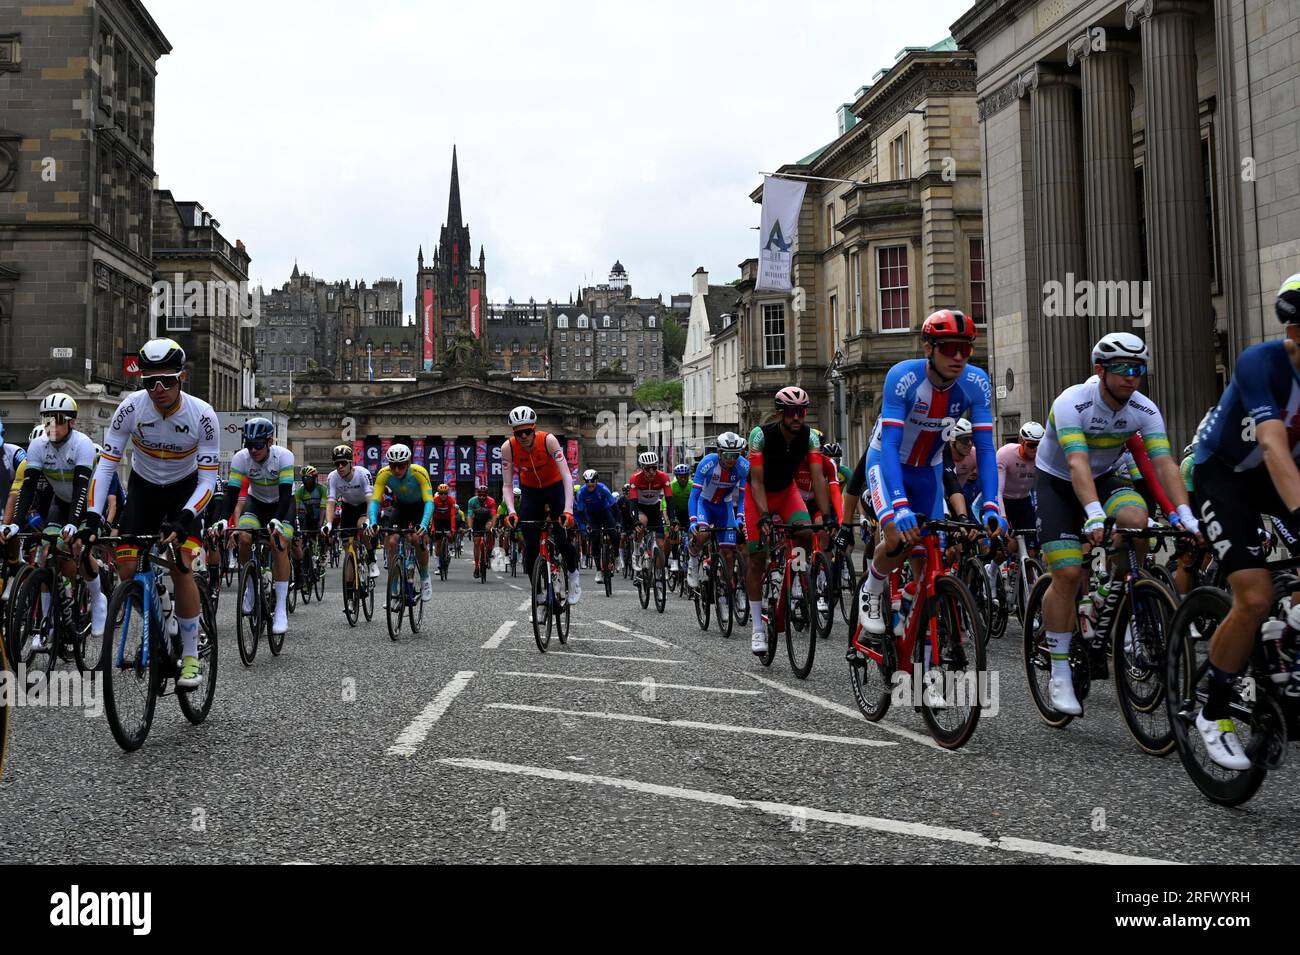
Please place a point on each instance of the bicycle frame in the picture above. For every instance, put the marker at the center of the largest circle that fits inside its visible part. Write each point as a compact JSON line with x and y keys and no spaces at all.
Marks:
{"x":925,"y":588}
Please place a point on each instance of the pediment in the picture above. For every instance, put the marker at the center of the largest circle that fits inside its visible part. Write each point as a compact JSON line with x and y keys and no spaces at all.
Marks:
{"x":467,"y":397}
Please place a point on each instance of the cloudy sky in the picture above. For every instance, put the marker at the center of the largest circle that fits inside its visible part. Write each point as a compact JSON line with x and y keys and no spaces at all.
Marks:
{"x":322,"y":131}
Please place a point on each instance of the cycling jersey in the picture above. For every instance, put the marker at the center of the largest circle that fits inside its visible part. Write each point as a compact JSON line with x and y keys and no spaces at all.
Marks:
{"x":715,"y":483}
{"x":780,"y":458}
{"x":354,"y":490}
{"x":540,"y":467}
{"x":445,"y":509}
{"x":803,"y":480}
{"x":60,"y":462}
{"x":166,"y":448}
{"x":1185,"y":469}
{"x":649,"y":491}
{"x":413,"y":487}
{"x":265,"y":477}
{"x":11,"y":457}
{"x":593,"y":501}
{"x":1015,"y":473}
{"x":1082,"y":421}
{"x":484,"y":507}
{"x":916,"y":422}
{"x":680,"y":499}
{"x":310,"y":500}
{"x":1265,"y":387}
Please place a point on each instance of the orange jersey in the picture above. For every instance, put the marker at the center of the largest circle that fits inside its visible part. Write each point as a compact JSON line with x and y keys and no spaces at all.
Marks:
{"x":535,"y":468}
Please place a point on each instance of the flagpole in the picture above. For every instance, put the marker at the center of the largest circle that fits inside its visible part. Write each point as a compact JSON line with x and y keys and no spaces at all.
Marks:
{"x":792,"y":175}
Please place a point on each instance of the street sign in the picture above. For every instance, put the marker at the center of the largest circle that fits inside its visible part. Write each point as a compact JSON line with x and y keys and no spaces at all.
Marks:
{"x":60,"y":352}
{"x":1002,"y":391}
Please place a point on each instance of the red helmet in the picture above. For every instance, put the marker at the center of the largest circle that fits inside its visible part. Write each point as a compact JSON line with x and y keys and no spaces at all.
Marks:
{"x":949,"y":323}
{"x":792,"y":396}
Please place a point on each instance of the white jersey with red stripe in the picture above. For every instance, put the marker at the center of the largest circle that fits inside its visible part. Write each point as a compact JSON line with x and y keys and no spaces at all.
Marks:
{"x":165,"y":448}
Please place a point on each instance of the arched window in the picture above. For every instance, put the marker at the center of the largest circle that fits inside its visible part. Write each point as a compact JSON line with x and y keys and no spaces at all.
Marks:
{"x":562,"y":321}
{"x":582,"y":321}
{"x":650,"y":322}
{"x":606,"y":325}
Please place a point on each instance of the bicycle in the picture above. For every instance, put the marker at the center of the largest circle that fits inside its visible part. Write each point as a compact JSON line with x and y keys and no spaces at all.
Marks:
{"x":311,"y":576}
{"x":941,"y":635}
{"x":255,"y":577}
{"x":138,"y":666}
{"x":550,"y":583}
{"x":404,"y":595}
{"x":969,"y":567}
{"x":65,"y":628}
{"x":843,"y":578}
{"x":1266,"y":717}
{"x":788,"y":599}
{"x":1022,"y":569}
{"x":609,"y":546}
{"x":440,"y":551}
{"x":356,"y":584}
{"x":482,"y":554}
{"x":651,"y":578}
{"x":1133,"y":623}
{"x":716,"y":593}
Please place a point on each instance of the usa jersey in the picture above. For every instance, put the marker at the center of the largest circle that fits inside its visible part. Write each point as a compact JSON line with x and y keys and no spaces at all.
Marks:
{"x":1265,"y":387}
{"x":718,"y":483}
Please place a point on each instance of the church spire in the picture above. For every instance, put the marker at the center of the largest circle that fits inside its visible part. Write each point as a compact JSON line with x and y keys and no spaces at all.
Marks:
{"x":453,"y":203}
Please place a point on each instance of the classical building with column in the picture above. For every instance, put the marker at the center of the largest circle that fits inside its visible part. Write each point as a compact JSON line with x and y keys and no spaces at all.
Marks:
{"x":1141,"y":174}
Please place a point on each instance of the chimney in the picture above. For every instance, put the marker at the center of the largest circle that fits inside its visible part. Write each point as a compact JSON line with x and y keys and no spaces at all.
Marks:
{"x":700,"y":282}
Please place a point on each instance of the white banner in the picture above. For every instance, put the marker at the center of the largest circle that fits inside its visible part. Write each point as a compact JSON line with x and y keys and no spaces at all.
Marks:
{"x":781,"y":201}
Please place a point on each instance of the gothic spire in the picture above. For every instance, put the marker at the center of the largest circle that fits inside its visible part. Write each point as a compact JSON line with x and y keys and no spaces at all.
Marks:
{"x":453,"y":203}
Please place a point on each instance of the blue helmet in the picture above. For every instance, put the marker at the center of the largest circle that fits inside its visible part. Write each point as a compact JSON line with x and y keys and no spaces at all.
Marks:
{"x":682,"y":470}
{"x":258,"y":429}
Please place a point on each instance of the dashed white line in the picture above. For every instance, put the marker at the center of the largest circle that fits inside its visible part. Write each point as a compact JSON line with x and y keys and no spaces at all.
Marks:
{"x":640,"y":683}
{"x":416,"y":733}
{"x":514,"y":587}
{"x":503,"y":631}
{"x":851,"y":820}
{"x":656,"y":641}
{"x":524,"y":606}
{"x":850,"y":712}
{"x":597,"y":656}
{"x":599,"y":640}
{"x":693,"y":724}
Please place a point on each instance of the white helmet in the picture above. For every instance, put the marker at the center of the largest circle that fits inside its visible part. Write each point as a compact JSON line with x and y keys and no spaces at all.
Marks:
{"x":648,"y":459}
{"x":399,"y":454}
{"x":589,"y":474}
{"x":1119,"y":345}
{"x":58,"y":403}
{"x":522,"y":416}
{"x":618,"y":496}
{"x":37,"y":432}
{"x":961,"y":429}
{"x":1032,"y":431}
{"x":731,"y":442}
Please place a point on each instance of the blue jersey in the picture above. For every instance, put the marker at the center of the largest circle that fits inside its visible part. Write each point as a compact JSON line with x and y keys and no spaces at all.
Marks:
{"x":588,"y":504}
{"x":714,"y":484}
{"x":917,"y":420}
{"x":1265,"y":387}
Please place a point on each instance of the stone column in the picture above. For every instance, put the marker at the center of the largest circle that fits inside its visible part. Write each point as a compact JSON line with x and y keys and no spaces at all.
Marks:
{"x":1058,"y":203}
{"x":1181,"y":333}
{"x":1109,"y":183}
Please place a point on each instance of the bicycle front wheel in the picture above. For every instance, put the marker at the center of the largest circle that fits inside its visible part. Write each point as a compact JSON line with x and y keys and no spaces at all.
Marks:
{"x":351,"y":591}
{"x":541,"y":604}
{"x":1139,"y":641}
{"x":132,"y":675}
{"x":395,"y":598}
{"x":823,"y":581}
{"x":801,"y":624}
{"x":660,"y":588}
{"x":846,"y":586}
{"x":248,"y":625}
{"x":960,"y":672}
{"x":196,"y":703}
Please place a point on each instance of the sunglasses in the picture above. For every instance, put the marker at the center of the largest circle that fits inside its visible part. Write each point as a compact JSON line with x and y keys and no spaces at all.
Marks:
{"x":166,"y":382}
{"x":1127,"y":369}
{"x":1030,"y":445}
{"x":794,"y":412}
{"x":526,"y":433}
{"x":256,"y":445}
{"x":341,"y":464}
{"x":955,"y":349}
{"x":59,"y":419}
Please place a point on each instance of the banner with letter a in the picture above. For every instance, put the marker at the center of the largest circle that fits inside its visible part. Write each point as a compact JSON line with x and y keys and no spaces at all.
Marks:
{"x":782,"y":199}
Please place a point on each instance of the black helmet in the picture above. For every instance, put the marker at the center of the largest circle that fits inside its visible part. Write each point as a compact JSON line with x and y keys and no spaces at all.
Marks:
{"x":161,"y":354}
{"x":342,"y":452}
{"x":258,"y":429}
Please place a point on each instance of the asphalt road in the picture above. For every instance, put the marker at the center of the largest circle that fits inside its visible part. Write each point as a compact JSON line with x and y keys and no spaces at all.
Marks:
{"x":644,"y":740}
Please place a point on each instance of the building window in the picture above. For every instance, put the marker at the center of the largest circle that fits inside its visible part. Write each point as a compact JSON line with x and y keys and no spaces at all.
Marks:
{"x":406,"y":367}
{"x":898,"y":157}
{"x":562,"y":321}
{"x":834,"y":306}
{"x":650,"y":322}
{"x":977,"y":281}
{"x":514,"y":348}
{"x":532,"y":348}
{"x":387,"y":366}
{"x":891,"y":280}
{"x":388,"y":346}
{"x":606,"y":322}
{"x":856,"y":278}
{"x":582,"y":321}
{"x":347,"y":369}
{"x":774,"y":335}
{"x":177,"y":320}
{"x":830,"y":225}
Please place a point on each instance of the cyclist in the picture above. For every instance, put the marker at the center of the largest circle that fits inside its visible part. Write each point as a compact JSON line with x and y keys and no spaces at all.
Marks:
{"x":11,"y":460}
{"x":678,"y":506}
{"x":347,"y":494}
{"x":777,"y":450}
{"x":1246,"y":468}
{"x":177,"y":447}
{"x":1087,"y":431}
{"x":412,"y":493}
{"x":445,"y":513}
{"x":309,"y":498}
{"x":482,"y":513}
{"x":538,"y":460}
{"x":595,"y":509}
{"x":649,"y":486}
{"x":65,"y":458}
{"x":716,"y":489}
{"x":630,"y":519}
{"x":924,"y":399}
{"x":961,"y":461}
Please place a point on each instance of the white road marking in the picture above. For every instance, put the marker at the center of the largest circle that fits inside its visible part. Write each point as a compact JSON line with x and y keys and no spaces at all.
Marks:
{"x":599,"y":640}
{"x":640,"y":683}
{"x":514,"y":587}
{"x":851,"y":820}
{"x":693,"y":724}
{"x":656,"y":641}
{"x":597,"y":656}
{"x":416,"y":733}
{"x":524,"y":606}
{"x":851,"y":713}
{"x":503,"y":631}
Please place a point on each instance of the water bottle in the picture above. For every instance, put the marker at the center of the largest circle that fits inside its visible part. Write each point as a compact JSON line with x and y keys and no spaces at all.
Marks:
{"x":1271,"y":633}
{"x":1100,"y":591}
{"x":170,"y":624}
{"x":775,"y":581}
{"x":896,"y":612}
{"x":1087,"y":618}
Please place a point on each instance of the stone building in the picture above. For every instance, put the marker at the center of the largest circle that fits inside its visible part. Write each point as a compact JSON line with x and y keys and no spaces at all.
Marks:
{"x":704,"y":357}
{"x":875,"y":254}
{"x":1142,"y":176}
{"x":370,"y":337}
{"x":516,"y":338}
{"x":291,"y":331}
{"x":76,"y":195}
{"x":607,"y":329}
{"x":219,"y":341}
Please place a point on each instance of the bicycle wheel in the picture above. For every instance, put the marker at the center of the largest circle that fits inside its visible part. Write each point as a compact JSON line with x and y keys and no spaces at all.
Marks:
{"x":352,"y":591}
{"x":1187,"y":682}
{"x":846,"y":587}
{"x":275,"y":641}
{"x":770,"y":598}
{"x":973,"y":576}
{"x":1161,"y":573}
{"x":291,"y":598}
{"x":873,"y":680}
{"x":541,"y":606}
{"x":368,"y":594}
{"x":1025,"y":584}
{"x":739,"y":594}
{"x":6,"y":714}
{"x":13,"y":626}
{"x":1001,"y":607}
{"x":415,"y":603}
{"x":723,"y":595}
{"x":823,"y":595}
{"x":961,"y":662}
{"x":85,"y":648}
{"x":196,"y":703}
{"x":131,"y":678}
{"x":607,"y":567}
{"x":26,"y":620}
{"x":703,"y":598}
{"x":643,"y":586}
{"x":801,"y":624}
{"x":1140,"y":663}
{"x":395,"y":597}
{"x":1037,"y":656}
{"x":302,"y":579}
{"x":660,"y":579}
{"x":561,"y":611}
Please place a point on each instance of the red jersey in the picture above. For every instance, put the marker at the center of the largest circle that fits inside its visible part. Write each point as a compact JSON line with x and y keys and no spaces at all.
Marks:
{"x":649,"y":490}
{"x":803,"y":481}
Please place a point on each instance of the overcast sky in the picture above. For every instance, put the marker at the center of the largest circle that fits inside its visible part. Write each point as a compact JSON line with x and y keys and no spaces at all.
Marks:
{"x":322,"y":131}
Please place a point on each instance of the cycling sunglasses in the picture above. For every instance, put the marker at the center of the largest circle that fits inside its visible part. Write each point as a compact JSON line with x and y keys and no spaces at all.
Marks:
{"x":342,"y":463}
{"x":255,"y":445}
{"x":955,"y":348}
{"x":166,"y":382}
{"x":525,"y":432}
{"x":794,"y":412}
{"x":1030,"y":445}
{"x":1127,"y":369}
{"x":51,"y":419}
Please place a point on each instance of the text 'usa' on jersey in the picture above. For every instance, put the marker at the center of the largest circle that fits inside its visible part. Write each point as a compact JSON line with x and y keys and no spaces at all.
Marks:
{"x":1265,"y":387}
{"x":926,"y":415}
